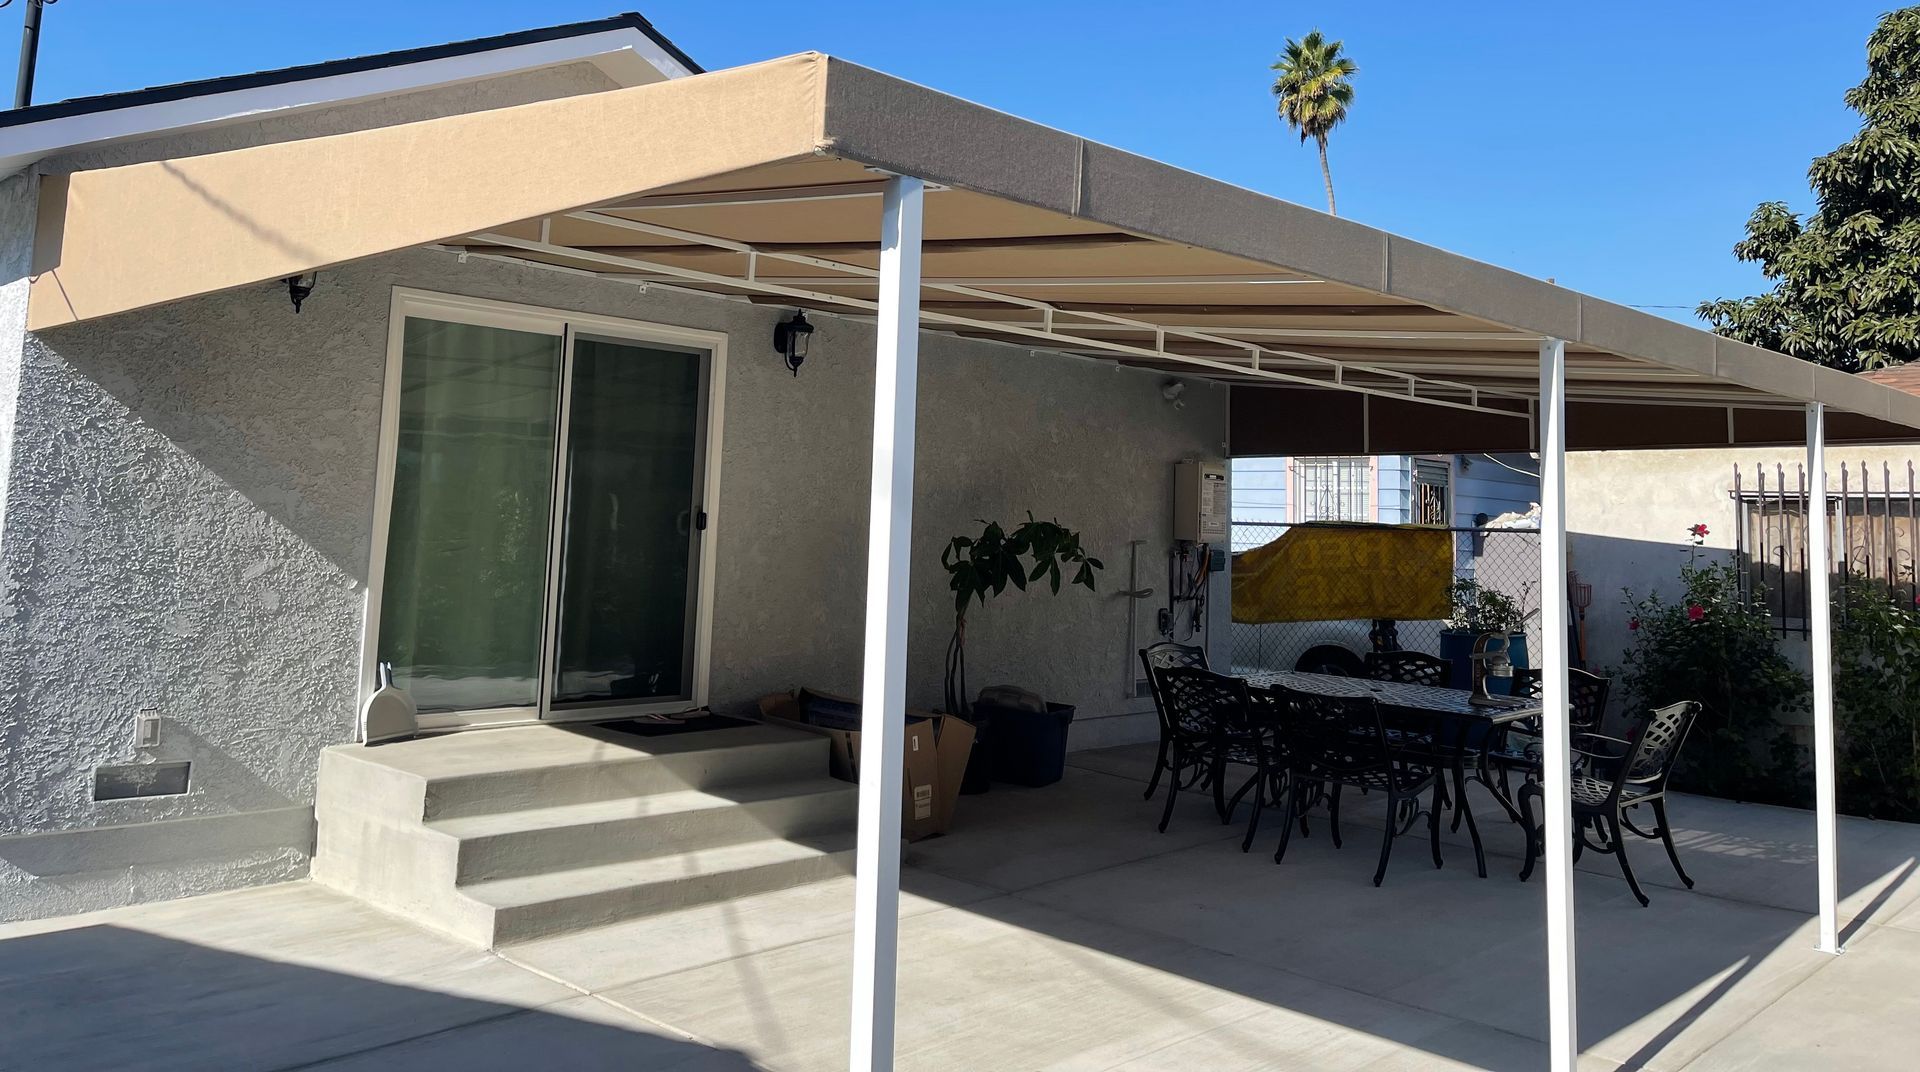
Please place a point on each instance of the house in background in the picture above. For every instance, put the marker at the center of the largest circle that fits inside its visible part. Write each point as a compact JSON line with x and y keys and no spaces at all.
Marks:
{"x":1459,"y":490}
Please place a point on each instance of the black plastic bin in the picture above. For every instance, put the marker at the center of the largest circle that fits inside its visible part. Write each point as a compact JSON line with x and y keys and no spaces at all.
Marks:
{"x":1028,"y":747}
{"x":979,"y":773}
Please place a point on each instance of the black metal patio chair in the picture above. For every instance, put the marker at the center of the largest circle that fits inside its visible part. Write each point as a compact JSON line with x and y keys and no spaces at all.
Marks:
{"x":1518,"y":748}
{"x":1213,"y":726}
{"x":1163,"y":656}
{"x":1612,"y":776}
{"x":1409,"y":668}
{"x":1336,"y":741}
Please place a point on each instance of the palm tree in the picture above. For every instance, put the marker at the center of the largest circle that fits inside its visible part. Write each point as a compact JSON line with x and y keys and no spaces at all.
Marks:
{"x":1313,"y":93}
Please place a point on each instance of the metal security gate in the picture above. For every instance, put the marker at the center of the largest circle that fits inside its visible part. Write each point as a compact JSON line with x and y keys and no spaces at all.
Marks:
{"x":1870,"y":519}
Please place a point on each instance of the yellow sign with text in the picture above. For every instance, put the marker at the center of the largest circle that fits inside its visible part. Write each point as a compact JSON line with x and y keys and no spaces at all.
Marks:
{"x":1339,"y":571}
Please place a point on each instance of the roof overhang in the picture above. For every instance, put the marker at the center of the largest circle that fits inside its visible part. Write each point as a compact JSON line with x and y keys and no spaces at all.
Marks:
{"x":627,"y":49}
{"x":763,"y":182}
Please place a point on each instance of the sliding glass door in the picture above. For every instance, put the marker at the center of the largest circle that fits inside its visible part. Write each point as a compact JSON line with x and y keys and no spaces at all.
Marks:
{"x":628,"y":529}
{"x":546,"y":519}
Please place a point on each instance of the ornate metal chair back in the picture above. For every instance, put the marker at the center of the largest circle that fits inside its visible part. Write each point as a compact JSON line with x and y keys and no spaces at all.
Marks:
{"x":1336,"y":734}
{"x":1201,"y":703}
{"x":1656,"y":746}
{"x":1587,"y":694}
{"x":1167,"y":655}
{"x":1409,"y":668}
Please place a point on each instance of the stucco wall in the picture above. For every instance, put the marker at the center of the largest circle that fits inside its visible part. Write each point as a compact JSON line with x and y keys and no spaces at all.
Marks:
{"x":174,"y":536}
{"x":1628,"y":513}
{"x":190,"y":512}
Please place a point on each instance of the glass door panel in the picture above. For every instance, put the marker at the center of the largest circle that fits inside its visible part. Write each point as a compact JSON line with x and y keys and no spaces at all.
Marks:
{"x":463,"y":598}
{"x":630,"y":525}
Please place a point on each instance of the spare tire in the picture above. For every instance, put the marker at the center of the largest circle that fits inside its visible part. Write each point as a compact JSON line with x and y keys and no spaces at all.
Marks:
{"x":1330,"y":659}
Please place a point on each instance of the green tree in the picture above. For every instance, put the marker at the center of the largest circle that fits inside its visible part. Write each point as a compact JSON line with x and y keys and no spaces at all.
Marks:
{"x":1846,"y":279}
{"x":1312,"y":92}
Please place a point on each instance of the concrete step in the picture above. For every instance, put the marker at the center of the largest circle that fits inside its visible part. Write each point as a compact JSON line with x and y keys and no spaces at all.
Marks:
{"x":613,"y":766}
{"x":533,"y":906}
{"x":496,"y":835}
{"x":508,"y":769}
{"x":569,"y":836}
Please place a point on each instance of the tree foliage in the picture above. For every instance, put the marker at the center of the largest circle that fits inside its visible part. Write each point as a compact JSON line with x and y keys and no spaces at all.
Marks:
{"x":1312,"y":93}
{"x":1846,"y":278}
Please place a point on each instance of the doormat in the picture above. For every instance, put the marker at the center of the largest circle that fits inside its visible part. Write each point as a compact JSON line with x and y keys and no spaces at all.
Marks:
{"x":670,"y":725}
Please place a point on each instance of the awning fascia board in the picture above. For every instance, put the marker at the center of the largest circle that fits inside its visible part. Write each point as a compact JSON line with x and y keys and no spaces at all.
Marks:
{"x":118,"y":239}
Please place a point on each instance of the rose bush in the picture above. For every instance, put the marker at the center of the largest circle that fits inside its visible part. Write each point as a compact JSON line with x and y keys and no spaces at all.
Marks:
{"x":1718,"y":645}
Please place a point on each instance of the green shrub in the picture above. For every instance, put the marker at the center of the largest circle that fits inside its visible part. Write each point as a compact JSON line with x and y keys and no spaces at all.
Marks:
{"x":1719,"y":646}
{"x":1876,"y":650}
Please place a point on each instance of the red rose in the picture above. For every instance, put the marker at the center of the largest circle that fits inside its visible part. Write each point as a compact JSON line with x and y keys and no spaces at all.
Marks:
{"x":1695,"y":612}
{"x":1634,"y":623}
{"x":1698,"y":530}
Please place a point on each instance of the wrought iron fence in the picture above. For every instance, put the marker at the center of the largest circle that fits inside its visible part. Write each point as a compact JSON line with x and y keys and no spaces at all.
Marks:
{"x":1506,"y":561}
{"x":1871,"y":531}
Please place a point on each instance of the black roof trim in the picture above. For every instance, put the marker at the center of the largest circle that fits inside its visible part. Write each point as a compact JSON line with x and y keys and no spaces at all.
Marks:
{"x":208,"y":86}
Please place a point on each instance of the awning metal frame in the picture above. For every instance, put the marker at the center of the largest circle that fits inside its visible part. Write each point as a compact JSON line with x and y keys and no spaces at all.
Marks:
{"x":1442,"y":393}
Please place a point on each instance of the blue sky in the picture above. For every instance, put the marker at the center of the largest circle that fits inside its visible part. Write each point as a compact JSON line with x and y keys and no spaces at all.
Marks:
{"x":1616,"y":147}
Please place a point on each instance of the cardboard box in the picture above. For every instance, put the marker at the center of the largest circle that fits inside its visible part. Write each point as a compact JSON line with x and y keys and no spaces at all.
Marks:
{"x":936,"y":748}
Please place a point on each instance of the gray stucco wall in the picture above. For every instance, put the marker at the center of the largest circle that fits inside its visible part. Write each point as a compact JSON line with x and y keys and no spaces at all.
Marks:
{"x":190,"y":513}
{"x":177,"y":537}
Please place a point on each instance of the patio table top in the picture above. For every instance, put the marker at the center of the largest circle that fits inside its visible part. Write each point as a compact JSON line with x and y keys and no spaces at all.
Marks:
{"x":1429,"y":699}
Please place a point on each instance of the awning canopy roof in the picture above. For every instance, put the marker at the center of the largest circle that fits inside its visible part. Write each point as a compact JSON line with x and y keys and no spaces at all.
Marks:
{"x":764,"y":182}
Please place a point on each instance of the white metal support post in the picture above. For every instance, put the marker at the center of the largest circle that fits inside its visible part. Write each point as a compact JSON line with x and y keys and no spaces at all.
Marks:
{"x":1563,"y":1031}
{"x":1820,"y":615}
{"x":883,"y":718}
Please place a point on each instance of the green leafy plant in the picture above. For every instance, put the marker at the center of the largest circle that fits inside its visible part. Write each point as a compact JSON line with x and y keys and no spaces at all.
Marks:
{"x":984,"y":565}
{"x":1478,"y":609}
{"x":1877,"y":701}
{"x":1845,"y":285}
{"x":1717,"y":644}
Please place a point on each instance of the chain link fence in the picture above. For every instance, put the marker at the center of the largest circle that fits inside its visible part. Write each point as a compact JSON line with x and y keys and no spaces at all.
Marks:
{"x":1506,"y":561}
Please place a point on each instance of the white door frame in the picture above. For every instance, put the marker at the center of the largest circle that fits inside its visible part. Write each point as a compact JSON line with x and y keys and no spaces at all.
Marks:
{"x":562,"y":324}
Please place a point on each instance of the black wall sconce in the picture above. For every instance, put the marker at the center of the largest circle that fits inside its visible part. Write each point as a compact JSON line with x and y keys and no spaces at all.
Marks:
{"x":790,"y":340}
{"x":300,"y":287}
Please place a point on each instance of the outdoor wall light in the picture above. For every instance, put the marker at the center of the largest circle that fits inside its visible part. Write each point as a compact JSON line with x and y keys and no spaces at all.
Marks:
{"x":790,"y":340}
{"x":299,"y":287}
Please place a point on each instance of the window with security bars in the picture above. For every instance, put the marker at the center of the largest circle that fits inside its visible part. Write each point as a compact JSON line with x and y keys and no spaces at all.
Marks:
{"x":1873,"y":530}
{"x":1432,"y":487}
{"x":1333,"y":489}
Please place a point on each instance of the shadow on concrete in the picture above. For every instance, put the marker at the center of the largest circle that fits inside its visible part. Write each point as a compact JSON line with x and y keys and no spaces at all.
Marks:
{"x":1659,"y":982}
{"x":105,"y":997}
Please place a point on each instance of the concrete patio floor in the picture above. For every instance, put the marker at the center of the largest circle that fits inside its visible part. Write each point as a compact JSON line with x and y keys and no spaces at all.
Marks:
{"x":1053,"y":929}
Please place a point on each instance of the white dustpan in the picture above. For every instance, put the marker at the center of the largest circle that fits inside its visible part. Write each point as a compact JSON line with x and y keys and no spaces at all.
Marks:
{"x":389,"y":713}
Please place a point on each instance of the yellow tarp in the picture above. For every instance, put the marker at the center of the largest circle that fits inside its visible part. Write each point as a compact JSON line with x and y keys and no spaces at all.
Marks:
{"x":1320,"y":572}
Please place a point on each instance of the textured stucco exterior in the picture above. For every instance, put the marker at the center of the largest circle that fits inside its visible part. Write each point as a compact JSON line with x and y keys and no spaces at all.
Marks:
{"x":1628,"y":514}
{"x":172,"y":538}
{"x":190,"y":514}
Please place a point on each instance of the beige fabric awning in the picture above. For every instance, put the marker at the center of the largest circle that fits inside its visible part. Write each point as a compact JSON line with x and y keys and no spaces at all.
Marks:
{"x":764,"y":182}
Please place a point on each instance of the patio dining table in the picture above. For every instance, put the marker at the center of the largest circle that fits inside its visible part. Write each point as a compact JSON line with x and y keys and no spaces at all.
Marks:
{"x":1452,"y":713}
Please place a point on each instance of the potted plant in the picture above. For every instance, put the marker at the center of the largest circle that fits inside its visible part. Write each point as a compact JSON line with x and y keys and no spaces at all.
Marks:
{"x":983,"y":565}
{"x":1029,"y":744}
{"x":1478,"y":610}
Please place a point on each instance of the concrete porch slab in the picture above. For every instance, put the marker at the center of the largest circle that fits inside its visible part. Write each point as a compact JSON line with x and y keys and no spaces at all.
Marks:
{"x":1117,"y":949}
